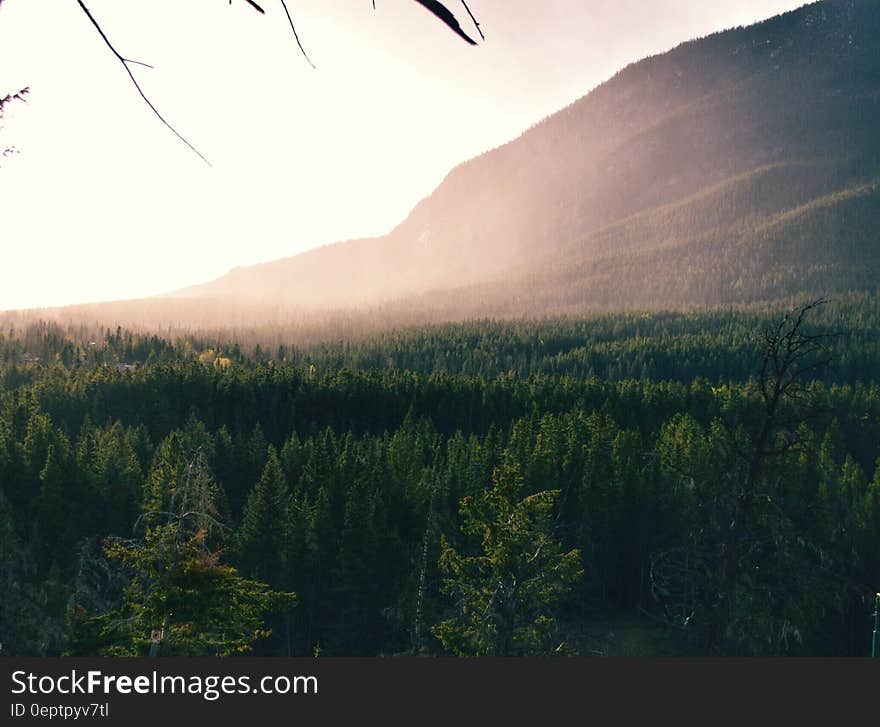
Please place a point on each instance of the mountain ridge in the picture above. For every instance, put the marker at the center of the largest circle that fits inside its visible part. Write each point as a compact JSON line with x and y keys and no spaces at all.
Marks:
{"x":720,"y":172}
{"x":797,"y":93}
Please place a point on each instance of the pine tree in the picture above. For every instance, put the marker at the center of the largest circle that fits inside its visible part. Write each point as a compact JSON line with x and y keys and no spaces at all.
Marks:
{"x":322,"y":549}
{"x":356,"y":588}
{"x":50,"y":524}
{"x":28,"y":628}
{"x":505,"y":597}
{"x":168,"y":467}
{"x":179,"y":587}
{"x":260,"y":539}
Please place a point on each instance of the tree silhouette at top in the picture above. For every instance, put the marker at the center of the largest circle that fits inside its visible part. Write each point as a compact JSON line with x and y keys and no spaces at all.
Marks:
{"x":436,"y":8}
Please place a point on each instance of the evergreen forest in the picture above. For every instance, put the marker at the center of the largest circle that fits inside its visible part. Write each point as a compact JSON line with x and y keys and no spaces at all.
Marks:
{"x":639,"y":483}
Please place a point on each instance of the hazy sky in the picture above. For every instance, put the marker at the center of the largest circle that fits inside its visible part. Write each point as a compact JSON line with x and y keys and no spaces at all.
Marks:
{"x":103,"y":203}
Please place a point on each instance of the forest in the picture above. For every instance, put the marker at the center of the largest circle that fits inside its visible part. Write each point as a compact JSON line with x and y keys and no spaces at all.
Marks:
{"x":639,"y":483}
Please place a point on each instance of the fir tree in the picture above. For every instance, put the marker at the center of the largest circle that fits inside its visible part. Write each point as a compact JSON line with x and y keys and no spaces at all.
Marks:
{"x":260,"y":539}
{"x":505,"y":598}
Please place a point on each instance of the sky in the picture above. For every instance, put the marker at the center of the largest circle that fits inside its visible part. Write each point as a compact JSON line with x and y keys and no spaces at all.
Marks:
{"x":100,"y":201}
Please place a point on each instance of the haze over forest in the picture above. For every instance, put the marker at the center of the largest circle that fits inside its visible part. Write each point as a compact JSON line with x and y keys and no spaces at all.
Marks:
{"x":737,"y":168}
{"x":676,"y":183}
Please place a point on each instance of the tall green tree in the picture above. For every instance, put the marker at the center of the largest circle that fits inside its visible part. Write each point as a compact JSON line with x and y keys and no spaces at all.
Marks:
{"x":50,"y":524}
{"x":26,"y":626}
{"x":506,"y":595}
{"x":260,"y":539}
{"x":179,"y":587}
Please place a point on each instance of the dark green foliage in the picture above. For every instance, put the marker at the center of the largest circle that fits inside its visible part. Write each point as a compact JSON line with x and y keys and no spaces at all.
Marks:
{"x":338,"y":473}
{"x":174,"y":580}
{"x":179,"y":587}
{"x":260,"y":540}
{"x":507,"y":595}
{"x":27,"y":628}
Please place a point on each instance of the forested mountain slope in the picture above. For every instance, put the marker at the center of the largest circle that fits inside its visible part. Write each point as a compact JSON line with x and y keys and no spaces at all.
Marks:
{"x":742,"y":166}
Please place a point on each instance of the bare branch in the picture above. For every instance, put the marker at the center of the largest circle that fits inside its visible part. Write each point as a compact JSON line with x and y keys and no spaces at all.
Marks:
{"x":137,"y":63}
{"x":290,"y":20}
{"x":180,"y":517}
{"x":18,"y":96}
{"x":433,"y":6}
{"x":476,"y":24}
{"x":124,"y":63}
{"x":442,"y":12}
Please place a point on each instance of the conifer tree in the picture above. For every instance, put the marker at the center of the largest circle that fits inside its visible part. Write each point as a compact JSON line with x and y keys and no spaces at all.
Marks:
{"x":260,"y":539}
{"x":505,"y":598}
{"x":357,"y":568}
{"x":50,"y":524}
{"x":26,"y":626}
{"x":180,"y":588}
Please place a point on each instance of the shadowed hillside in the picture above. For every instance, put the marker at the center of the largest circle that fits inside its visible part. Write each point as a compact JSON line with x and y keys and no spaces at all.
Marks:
{"x":737,"y":167}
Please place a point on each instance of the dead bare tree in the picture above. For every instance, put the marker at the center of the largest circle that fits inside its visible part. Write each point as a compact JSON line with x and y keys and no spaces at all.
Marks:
{"x":192,"y":506}
{"x":791,"y":357}
{"x":743,"y":557}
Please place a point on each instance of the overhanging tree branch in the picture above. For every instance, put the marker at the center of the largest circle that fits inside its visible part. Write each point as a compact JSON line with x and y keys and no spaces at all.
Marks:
{"x":290,"y":20}
{"x":476,"y":24}
{"x":437,"y":8}
{"x":442,"y":12}
{"x":137,"y":86}
{"x":6,"y":151}
{"x":17,"y":96}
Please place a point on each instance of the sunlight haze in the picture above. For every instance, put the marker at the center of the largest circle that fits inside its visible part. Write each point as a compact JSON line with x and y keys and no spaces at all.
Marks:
{"x":102,"y":202}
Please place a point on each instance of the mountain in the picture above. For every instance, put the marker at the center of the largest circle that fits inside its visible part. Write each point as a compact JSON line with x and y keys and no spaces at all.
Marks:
{"x":740,"y":167}
{"x":737,"y":167}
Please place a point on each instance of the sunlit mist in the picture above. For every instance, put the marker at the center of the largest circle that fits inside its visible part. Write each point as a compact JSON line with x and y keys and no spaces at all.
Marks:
{"x":102,"y":202}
